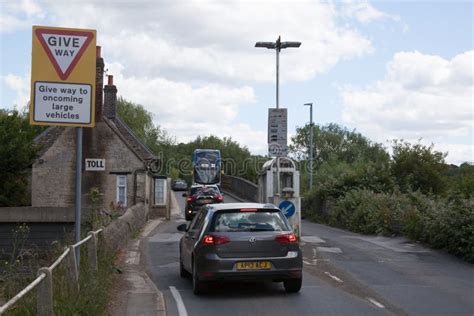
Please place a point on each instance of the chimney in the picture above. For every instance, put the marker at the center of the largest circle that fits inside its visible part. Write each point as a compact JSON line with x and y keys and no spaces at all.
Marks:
{"x":99,"y":83}
{"x":110,"y":99}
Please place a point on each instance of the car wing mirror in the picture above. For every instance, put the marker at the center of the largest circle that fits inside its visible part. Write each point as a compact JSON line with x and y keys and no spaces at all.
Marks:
{"x":182,"y":228}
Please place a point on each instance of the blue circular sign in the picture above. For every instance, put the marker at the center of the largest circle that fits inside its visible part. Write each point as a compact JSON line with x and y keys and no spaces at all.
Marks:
{"x":288,"y":208}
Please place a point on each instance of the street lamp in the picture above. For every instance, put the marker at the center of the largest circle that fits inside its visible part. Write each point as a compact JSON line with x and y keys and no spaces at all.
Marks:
{"x":278,"y":46}
{"x":310,"y":145}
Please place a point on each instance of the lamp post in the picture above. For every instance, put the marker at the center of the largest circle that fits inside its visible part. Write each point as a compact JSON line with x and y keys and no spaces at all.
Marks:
{"x":277,"y":46}
{"x":310,"y":145}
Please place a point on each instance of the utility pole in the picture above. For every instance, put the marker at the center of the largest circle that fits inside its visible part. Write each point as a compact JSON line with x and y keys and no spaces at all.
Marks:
{"x":278,"y":45}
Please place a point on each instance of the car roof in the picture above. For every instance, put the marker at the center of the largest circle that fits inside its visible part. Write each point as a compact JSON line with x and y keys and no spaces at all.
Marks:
{"x":233,"y":206}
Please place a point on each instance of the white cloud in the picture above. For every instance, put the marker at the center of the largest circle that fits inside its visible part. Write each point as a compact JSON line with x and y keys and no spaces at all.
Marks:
{"x":457,"y":153}
{"x":187,"y":111}
{"x":364,"y":12}
{"x":20,"y":85}
{"x":18,"y":15}
{"x":421,"y":96}
{"x":190,"y":62}
{"x":210,"y":40}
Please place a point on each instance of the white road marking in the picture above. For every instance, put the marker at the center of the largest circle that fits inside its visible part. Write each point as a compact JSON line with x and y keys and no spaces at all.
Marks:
{"x":375,"y":302}
{"x":179,"y":301}
{"x":329,"y":249}
{"x":312,"y":239}
{"x":333,"y":277}
{"x":308,"y":263}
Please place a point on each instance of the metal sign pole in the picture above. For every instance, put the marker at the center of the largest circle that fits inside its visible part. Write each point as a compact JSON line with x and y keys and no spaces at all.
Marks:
{"x":77,"y":226}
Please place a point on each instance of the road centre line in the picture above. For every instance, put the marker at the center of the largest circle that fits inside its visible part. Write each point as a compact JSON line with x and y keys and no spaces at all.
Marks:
{"x":179,"y":301}
{"x":375,"y":302}
{"x":333,"y":277}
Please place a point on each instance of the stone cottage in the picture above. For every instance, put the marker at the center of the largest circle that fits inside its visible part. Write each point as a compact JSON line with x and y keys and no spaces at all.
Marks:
{"x":129,"y":173}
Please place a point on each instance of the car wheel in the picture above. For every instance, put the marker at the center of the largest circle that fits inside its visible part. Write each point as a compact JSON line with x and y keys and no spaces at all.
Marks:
{"x":198,"y":286}
{"x":182,"y":271}
{"x":293,"y":285}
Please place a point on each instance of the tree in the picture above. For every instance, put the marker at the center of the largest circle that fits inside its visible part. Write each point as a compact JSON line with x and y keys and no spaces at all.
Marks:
{"x":418,"y":167}
{"x":333,"y":142}
{"x":338,"y":154}
{"x":460,"y":180}
{"x":17,"y":152}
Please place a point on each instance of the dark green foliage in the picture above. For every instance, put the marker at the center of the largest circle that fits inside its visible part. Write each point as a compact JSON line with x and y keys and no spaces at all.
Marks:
{"x":17,"y":152}
{"x":335,"y":143}
{"x":460,"y":180}
{"x":439,"y":222}
{"x":370,"y":213}
{"x":342,"y":150}
{"x":418,"y":167}
{"x":358,"y":187}
{"x":450,"y":226}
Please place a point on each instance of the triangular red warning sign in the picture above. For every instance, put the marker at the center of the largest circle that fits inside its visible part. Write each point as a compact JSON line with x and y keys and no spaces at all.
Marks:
{"x":64,"y":48}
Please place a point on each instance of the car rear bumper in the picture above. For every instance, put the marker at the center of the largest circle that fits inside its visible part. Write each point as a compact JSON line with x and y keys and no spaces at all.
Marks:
{"x":211,"y":267}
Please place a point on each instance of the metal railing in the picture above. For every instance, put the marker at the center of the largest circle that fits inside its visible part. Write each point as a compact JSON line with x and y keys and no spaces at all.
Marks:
{"x":44,"y":280}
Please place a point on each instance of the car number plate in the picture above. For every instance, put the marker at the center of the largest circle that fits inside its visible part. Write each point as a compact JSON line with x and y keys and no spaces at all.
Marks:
{"x":205,"y":201}
{"x":253,"y":265}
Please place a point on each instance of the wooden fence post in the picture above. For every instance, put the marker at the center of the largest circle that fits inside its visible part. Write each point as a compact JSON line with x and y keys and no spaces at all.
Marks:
{"x":92,"y":251}
{"x":45,"y":293}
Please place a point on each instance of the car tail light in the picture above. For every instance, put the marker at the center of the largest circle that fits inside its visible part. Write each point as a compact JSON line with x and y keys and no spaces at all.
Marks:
{"x":215,"y":240}
{"x":219,"y":198}
{"x":287,"y":238}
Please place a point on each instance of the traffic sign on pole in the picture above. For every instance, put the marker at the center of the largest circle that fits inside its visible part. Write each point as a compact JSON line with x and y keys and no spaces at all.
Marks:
{"x":277,"y":132}
{"x":288,"y":208}
{"x":63,"y":71}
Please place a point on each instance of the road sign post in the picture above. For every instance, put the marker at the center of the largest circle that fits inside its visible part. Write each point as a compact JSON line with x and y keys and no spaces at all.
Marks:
{"x":63,"y":75}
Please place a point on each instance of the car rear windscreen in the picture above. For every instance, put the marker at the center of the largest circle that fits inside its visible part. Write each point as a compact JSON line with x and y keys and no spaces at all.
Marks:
{"x":248,"y":221}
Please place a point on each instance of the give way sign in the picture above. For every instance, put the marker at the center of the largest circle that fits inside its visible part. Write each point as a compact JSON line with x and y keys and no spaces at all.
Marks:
{"x":63,"y":71}
{"x":64,"y":48}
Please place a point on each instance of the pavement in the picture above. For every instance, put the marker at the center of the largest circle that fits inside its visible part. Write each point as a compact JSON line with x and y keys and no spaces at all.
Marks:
{"x":136,"y":294}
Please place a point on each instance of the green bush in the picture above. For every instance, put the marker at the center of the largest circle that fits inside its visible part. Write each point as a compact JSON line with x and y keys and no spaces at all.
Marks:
{"x":450,"y":226}
{"x":443,"y":223}
{"x":368,"y":212}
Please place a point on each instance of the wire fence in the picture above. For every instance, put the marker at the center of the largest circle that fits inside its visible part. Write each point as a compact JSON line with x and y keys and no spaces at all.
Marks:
{"x":44,"y":281}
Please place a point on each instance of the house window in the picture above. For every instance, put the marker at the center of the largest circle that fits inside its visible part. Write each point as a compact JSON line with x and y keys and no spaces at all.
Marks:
{"x":160,"y":191}
{"x":122,"y":190}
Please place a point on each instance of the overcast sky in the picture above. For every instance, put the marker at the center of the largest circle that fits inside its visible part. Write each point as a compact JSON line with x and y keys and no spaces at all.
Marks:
{"x":389,"y":69}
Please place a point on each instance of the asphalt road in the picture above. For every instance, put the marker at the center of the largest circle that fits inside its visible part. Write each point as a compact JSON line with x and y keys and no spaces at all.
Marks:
{"x":344,"y":274}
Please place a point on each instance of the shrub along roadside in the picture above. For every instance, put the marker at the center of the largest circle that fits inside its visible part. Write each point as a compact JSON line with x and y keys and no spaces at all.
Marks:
{"x":91,"y":299}
{"x":438,"y":222}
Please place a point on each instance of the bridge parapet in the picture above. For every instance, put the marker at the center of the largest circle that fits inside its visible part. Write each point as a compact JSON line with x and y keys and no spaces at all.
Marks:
{"x":242,"y":188}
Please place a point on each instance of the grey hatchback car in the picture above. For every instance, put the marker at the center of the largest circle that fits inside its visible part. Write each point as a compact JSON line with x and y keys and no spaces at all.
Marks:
{"x":240,"y":242}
